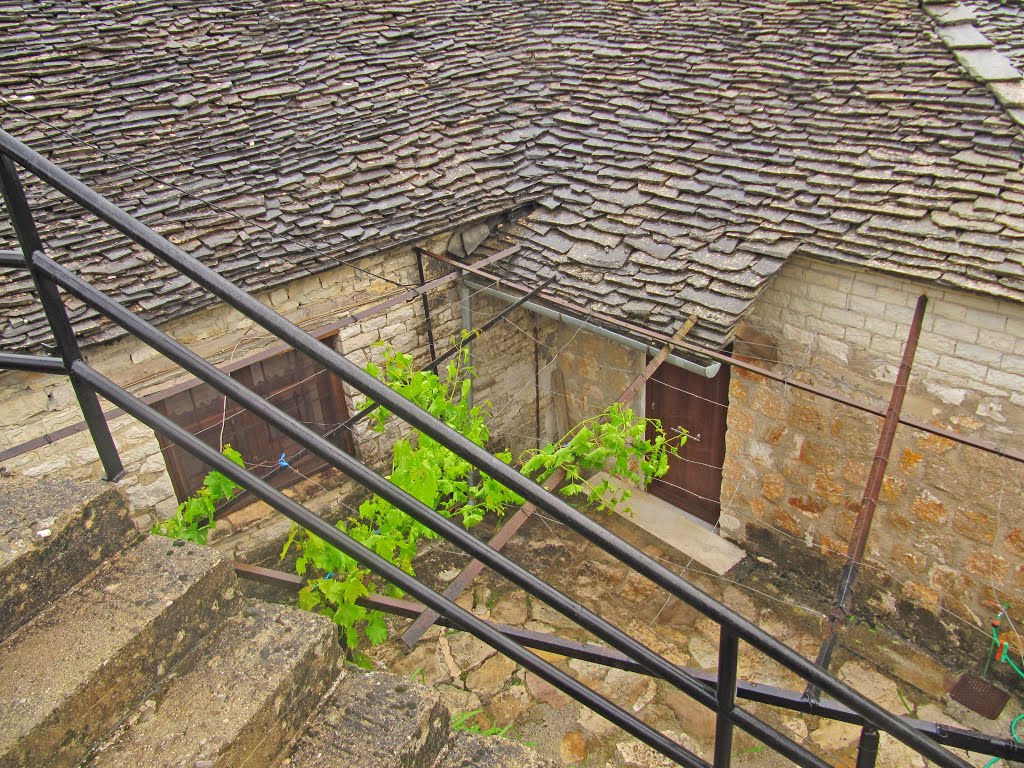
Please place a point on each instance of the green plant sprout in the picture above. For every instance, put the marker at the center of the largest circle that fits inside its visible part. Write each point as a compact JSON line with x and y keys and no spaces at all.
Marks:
{"x":615,"y":439}
{"x":461,"y":724}
{"x":194,"y":519}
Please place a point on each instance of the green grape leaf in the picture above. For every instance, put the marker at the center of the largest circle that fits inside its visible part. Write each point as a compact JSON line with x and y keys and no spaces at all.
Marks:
{"x":348,"y":614}
{"x":376,"y":629}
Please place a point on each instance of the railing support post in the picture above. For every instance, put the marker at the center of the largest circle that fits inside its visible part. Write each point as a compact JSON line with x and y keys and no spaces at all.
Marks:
{"x":867,"y":750}
{"x":728,"y":659}
{"x":57,"y":316}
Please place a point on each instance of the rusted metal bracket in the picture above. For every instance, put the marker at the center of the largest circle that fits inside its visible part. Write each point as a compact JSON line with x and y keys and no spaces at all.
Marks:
{"x":862,"y":527}
{"x":461,"y":582}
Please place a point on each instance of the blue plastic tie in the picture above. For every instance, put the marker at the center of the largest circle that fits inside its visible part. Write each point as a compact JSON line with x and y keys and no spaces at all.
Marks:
{"x":282,"y":462}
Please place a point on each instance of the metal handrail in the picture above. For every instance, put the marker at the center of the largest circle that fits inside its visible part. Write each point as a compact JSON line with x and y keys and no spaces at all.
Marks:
{"x":734,"y":626}
{"x":420,"y":512}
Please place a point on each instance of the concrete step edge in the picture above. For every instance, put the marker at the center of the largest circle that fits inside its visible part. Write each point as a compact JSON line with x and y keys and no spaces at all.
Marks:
{"x":373,"y":719}
{"x":240,"y":699}
{"x":72,"y":673}
{"x":57,"y":532}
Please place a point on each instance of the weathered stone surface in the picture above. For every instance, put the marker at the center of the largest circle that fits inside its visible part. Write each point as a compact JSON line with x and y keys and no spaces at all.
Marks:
{"x":59,"y":528}
{"x":634,"y":753}
{"x":511,"y":609}
{"x":423,"y":663}
{"x":374,"y":719}
{"x":470,"y":751}
{"x":59,"y":694}
{"x":244,"y":698}
{"x":693,"y":718}
{"x":960,"y":36}
{"x":491,"y":676}
{"x":833,"y":736}
{"x":509,"y":705}
{"x":467,"y":651}
{"x":988,"y":65}
{"x":545,"y":693}
{"x":573,"y":748}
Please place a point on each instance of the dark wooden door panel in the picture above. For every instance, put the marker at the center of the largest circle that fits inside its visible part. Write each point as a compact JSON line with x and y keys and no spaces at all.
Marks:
{"x":681,"y":399}
{"x":293,"y":383}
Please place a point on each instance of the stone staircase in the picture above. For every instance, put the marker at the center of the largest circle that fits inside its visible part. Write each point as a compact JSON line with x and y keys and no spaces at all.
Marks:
{"x":118,"y":651}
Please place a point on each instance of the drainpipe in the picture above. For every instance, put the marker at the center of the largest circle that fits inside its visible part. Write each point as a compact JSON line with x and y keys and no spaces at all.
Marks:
{"x":467,"y":327}
{"x":427,"y":322}
{"x":707,"y":371}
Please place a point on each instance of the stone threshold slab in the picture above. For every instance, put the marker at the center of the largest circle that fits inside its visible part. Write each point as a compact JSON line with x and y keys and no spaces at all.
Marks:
{"x":678,"y":529}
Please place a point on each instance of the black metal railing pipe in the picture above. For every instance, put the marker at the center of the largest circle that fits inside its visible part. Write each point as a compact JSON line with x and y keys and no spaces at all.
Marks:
{"x":57,"y":317}
{"x":728,"y":664}
{"x":11,"y":361}
{"x":386,"y":570}
{"x":12,"y":259}
{"x":480,"y":458}
{"x":303,"y":435}
{"x":867,"y":748}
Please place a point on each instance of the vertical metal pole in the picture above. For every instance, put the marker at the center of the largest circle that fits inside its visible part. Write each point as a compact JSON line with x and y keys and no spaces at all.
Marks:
{"x":466,"y":303}
{"x":426,"y":314}
{"x":57,"y":316}
{"x":867,"y":750}
{"x":843,"y":601}
{"x":728,"y":659}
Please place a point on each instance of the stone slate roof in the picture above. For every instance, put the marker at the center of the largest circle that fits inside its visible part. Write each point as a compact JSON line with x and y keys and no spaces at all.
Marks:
{"x":676,"y":153}
{"x":1002,"y":22}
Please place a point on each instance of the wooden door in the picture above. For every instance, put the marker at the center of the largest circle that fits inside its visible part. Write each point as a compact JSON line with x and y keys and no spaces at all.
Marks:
{"x":291,"y":381}
{"x":681,"y":399}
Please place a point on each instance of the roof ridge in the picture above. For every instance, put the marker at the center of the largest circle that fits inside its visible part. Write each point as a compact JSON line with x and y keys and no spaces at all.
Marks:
{"x":982,"y":58}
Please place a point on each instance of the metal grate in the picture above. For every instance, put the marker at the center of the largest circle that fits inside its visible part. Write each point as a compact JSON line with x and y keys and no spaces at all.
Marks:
{"x":980,"y":696}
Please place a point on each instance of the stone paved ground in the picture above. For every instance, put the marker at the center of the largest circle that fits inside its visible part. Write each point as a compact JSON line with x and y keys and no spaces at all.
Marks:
{"x":472,"y":676}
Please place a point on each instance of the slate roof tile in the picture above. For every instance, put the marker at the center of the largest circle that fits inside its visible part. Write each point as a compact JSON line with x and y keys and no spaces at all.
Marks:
{"x":336,"y":130}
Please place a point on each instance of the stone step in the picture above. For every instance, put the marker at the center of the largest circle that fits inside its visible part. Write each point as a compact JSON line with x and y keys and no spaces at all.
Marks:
{"x":68,"y":676}
{"x":53,"y":533}
{"x":240,"y":699}
{"x":373,"y":719}
{"x":470,"y":750}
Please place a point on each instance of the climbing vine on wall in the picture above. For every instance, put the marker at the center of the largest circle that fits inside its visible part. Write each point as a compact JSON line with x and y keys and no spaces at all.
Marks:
{"x":632,"y":448}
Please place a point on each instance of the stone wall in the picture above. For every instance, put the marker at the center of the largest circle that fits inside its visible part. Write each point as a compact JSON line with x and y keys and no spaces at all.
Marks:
{"x":33,"y":405}
{"x":582,"y":374}
{"x":947,"y":535}
{"x":505,"y":362}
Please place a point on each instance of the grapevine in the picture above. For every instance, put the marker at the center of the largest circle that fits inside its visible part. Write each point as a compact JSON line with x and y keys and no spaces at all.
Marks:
{"x":631,"y":448}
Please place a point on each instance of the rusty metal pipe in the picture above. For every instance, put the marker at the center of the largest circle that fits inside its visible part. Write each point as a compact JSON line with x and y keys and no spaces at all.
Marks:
{"x":865,"y":514}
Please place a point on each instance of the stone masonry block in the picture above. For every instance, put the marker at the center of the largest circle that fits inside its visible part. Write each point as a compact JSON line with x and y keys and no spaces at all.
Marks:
{"x":996,"y":340}
{"x":875,"y":324}
{"x":843,"y":317}
{"x":832,"y":330}
{"x":1010,"y":381}
{"x":988,"y":65}
{"x":990,"y":320}
{"x":866,"y":307}
{"x":978,"y":354}
{"x":964,"y":368}
{"x":1013,"y":364}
